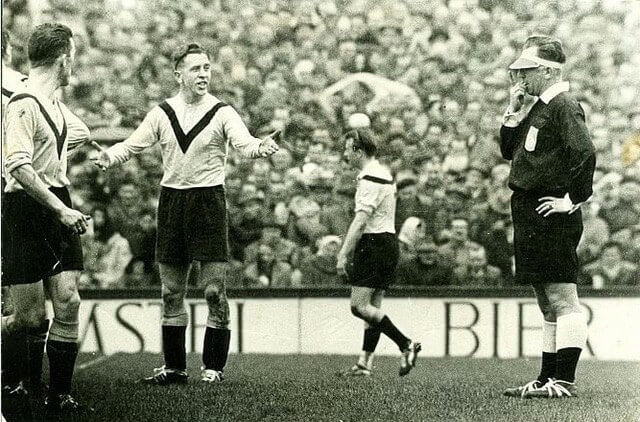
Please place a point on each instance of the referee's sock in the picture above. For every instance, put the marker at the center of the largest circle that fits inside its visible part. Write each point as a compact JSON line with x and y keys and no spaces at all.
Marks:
{"x":173,"y":346}
{"x":62,"y":359}
{"x":571,"y":337}
{"x":35,"y":341}
{"x":215,"y":349}
{"x":387,"y":328}
{"x":549,"y":354}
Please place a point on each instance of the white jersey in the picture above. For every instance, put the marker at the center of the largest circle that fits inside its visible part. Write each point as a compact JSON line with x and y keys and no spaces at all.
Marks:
{"x":376,"y":196}
{"x":194,"y":141}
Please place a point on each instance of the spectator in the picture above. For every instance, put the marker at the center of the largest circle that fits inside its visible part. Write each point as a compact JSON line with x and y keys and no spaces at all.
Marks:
{"x":477,"y":272}
{"x":458,"y":248}
{"x":271,"y":235}
{"x":411,"y":233}
{"x":611,"y":270}
{"x":248,"y":227}
{"x":107,"y":253}
{"x":425,"y":268}
{"x":320,"y":268}
{"x":267,"y":271}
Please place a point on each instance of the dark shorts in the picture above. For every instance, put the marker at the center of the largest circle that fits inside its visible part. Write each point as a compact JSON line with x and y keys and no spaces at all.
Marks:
{"x":374,"y":260}
{"x":545,"y":247}
{"x":35,"y":244}
{"x":192,"y":225}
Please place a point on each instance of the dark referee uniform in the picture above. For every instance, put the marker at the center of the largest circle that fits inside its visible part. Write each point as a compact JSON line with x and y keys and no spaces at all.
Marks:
{"x":552,"y":155}
{"x":35,"y":244}
{"x":192,"y":211}
{"x":376,"y":254}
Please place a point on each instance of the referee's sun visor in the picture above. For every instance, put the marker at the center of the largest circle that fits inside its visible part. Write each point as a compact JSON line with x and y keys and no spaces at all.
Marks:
{"x":529,"y":59}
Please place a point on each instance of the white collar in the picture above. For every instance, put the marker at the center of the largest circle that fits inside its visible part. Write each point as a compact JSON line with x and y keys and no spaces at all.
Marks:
{"x":555,"y":89}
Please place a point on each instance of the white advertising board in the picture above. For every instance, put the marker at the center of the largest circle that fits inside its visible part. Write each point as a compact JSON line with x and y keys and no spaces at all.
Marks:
{"x":475,"y":327}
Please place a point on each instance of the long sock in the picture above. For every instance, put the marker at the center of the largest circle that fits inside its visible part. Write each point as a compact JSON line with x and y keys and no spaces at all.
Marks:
{"x":35,"y":342}
{"x":215,"y":349}
{"x":62,"y":359}
{"x":548,"y":368}
{"x":571,"y":336}
{"x":173,"y":346}
{"x":369,"y":344}
{"x":14,"y":358}
{"x":386,"y":326}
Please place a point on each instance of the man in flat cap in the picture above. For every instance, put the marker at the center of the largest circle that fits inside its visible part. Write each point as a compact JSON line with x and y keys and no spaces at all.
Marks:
{"x":552,"y":164}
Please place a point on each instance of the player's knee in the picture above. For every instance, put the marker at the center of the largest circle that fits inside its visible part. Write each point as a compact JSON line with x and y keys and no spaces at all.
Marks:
{"x":173,"y":297}
{"x":561,"y":307}
{"x":358,"y":311}
{"x":69,"y":306}
{"x":214,"y":295}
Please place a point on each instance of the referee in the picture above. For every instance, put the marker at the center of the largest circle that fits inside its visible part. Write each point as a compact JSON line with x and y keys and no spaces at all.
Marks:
{"x":552,"y":164}
{"x":372,"y":240}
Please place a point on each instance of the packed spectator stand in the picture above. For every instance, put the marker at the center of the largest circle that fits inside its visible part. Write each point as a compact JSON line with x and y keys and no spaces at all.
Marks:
{"x":428,"y":76}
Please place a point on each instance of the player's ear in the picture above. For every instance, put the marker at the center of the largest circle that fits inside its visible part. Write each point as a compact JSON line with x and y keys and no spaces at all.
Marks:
{"x":177,"y":74}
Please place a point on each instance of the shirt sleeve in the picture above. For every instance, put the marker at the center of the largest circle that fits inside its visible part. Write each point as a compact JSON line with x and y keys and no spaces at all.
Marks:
{"x":238,"y":134}
{"x":19,"y":130}
{"x":77,"y":131}
{"x":580,"y":150}
{"x":146,"y":135}
{"x":368,"y":196}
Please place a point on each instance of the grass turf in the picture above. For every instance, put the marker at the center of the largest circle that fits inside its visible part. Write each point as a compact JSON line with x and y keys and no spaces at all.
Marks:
{"x":296,"y":388}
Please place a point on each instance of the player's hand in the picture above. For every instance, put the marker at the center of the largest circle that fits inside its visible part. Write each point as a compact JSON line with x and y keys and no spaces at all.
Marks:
{"x":99,"y":157}
{"x":74,"y":220}
{"x":268,"y":146}
{"x":552,"y":205}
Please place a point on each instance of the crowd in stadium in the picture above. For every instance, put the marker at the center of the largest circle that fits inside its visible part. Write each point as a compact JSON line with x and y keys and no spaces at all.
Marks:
{"x":277,"y":62}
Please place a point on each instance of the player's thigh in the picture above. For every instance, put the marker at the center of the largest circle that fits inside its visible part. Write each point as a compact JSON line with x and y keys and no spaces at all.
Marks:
{"x":376,"y":297}
{"x":213,"y":273}
{"x":173,"y":276}
{"x":63,"y":291}
{"x":361,"y":296}
{"x":28,"y":303}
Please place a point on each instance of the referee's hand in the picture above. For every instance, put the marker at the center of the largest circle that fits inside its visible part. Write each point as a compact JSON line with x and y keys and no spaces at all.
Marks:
{"x":100,"y":157}
{"x":552,"y":205}
{"x":74,"y":220}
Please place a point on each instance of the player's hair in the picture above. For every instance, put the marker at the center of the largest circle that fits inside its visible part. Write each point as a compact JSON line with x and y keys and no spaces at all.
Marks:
{"x":48,"y":42}
{"x":549,"y":48}
{"x":184,"y":50}
{"x":6,"y":39}
{"x":363,"y":140}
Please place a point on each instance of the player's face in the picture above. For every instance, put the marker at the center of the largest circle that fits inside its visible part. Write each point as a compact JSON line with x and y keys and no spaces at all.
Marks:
{"x":194,"y":74}
{"x":67,"y":64}
{"x":352,"y":157}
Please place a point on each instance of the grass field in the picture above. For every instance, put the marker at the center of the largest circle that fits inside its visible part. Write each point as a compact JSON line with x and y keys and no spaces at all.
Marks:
{"x":305,"y":388}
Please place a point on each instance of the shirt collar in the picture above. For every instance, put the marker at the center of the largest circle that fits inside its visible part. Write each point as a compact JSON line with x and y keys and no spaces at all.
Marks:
{"x":555,"y":89}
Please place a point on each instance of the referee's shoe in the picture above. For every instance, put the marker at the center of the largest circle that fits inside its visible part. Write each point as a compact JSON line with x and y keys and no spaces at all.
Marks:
{"x":553,"y":389}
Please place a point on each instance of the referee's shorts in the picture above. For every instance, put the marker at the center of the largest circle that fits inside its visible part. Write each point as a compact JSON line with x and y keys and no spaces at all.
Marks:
{"x":35,"y":244}
{"x":545,"y":247}
{"x":192,"y":225}
{"x":374,"y":260}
